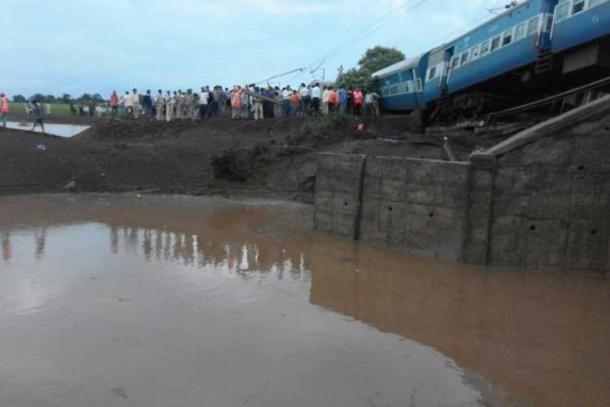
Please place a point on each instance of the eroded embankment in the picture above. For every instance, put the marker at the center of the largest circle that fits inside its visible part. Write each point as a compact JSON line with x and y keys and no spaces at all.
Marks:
{"x":269,"y":158}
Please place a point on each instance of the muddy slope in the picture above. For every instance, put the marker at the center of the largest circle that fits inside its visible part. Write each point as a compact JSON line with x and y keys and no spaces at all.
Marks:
{"x":270,"y":157}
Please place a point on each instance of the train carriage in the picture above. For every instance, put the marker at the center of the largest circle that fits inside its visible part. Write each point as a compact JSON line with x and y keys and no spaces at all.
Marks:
{"x":401,"y":84}
{"x":529,"y":50}
{"x":510,"y":42}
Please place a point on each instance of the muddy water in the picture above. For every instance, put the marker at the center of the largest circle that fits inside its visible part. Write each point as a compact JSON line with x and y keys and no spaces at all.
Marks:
{"x":174,"y":301}
{"x":62,"y":130}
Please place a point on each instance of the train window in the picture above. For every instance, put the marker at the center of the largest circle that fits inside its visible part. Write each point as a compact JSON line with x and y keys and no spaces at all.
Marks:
{"x":562,"y":12}
{"x":476,"y":51}
{"x":507,"y":38}
{"x":520,"y":31}
{"x":532,"y":25}
{"x":484,"y":48}
{"x":432,"y":74}
{"x":579,"y":5}
{"x":495,"y":43}
{"x":464,"y":58}
{"x":455,"y":61}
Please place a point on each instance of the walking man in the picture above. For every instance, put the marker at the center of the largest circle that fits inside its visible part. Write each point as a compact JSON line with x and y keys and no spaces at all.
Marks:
{"x":4,"y":108}
{"x":38,"y":113}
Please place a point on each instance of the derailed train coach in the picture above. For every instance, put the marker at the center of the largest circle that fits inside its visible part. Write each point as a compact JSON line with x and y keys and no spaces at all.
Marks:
{"x":533,"y":47}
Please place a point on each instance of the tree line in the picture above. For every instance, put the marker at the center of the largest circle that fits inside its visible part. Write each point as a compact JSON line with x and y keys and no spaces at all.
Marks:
{"x":65,"y":98}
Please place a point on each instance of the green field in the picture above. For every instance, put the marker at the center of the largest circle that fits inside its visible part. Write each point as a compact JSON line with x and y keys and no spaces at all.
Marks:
{"x":59,"y":109}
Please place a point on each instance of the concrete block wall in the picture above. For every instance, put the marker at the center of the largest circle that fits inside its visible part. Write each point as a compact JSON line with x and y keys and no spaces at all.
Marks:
{"x":419,"y":204}
{"x":551,"y":202}
{"x":540,"y":200}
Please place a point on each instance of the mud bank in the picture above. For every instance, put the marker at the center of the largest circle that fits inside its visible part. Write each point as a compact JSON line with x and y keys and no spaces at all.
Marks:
{"x":273,"y":158}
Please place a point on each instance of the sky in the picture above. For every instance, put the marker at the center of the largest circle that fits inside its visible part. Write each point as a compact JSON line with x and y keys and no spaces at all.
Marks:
{"x":96,"y":46}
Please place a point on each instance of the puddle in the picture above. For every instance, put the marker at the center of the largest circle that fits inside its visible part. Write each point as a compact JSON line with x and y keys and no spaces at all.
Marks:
{"x":62,"y":130}
{"x":181,"y":301}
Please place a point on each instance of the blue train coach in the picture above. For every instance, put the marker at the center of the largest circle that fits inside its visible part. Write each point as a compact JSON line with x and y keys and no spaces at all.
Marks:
{"x":516,"y":48}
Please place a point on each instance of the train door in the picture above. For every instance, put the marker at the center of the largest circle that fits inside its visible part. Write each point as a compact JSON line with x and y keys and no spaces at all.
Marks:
{"x":446,"y":68}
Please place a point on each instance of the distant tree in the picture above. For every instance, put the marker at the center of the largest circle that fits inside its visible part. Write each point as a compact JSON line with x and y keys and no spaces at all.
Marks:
{"x":66,"y":98}
{"x":85,"y":98}
{"x":50,"y":99}
{"x":98,"y":98}
{"x":19,"y":99}
{"x":39,"y":97}
{"x":373,"y":60}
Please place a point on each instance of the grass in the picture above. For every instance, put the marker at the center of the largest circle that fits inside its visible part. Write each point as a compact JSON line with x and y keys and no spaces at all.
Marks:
{"x":57,"y":109}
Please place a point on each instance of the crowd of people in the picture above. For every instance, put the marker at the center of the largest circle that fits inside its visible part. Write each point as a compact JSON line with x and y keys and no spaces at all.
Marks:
{"x":247,"y":102}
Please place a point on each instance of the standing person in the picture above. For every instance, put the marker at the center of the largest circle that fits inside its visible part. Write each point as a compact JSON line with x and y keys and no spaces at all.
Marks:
{"x":188,"y":103}
{"x":315,"y":99}
{"x":213,"y":102}
{"x":358,"y":100}
{"x":277,"y":109}
{"x":350,"y":100}
{"x":325,"y":95}
{"x":369,"y":101}
{"x":147,"y":104}
{"x":333,"y":100}
{"x":342,"y":94}
{"x":304,"y":99}
{"x":135,"y":101}
{"x":294,"y":103}
{"x":204,"y":98}
{"x":236,"y":102}
{"x":38,"y":113}
{"x":169,"y":106}
{"x":127,"y":104}
{"x":179,"y":105}
{"x":114,"y":105}
{"x":244,"y":100}
{"x":4,"y":108}
{"x":267,"y":105}
{"x":222,"y":101}
{"x":160,"y":106}
{"x":258,"y":106}
{"x":286,"y":94}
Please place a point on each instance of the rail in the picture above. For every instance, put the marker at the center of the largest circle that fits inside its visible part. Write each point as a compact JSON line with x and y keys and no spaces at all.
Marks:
{"x":546,"y":101}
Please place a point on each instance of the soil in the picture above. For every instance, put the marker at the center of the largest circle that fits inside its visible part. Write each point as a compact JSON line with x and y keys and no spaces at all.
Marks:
{"x":271,"y":158}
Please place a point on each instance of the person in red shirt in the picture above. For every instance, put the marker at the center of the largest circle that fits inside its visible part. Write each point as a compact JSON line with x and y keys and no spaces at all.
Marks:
{"x":114,"y":105}
{"x":294,"y":103}
{"x":4,"y":108}
{"x":333,"y":101}
{"x":358,"y":101}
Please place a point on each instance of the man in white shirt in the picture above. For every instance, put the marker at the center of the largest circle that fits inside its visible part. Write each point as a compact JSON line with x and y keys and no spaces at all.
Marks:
{"x":135,"y":103}
{"x":304,"y":100}
{"x":204,"y":100}
{"x":325,"y":96}
{"x":315,"y":98}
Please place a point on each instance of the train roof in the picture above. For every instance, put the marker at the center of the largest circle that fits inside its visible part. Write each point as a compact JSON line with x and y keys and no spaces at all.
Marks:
{"x":397,"y":67}
{"x":490,"y":21}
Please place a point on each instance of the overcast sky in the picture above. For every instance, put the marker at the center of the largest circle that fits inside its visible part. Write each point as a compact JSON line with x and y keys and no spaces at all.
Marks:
{"x":76,"y":46}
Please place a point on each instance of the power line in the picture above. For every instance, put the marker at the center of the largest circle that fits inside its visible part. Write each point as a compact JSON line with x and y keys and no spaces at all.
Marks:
{"x":384,"y":21}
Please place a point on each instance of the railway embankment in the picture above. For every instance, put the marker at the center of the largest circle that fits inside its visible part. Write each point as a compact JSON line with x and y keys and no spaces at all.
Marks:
{"x":538,"y":200}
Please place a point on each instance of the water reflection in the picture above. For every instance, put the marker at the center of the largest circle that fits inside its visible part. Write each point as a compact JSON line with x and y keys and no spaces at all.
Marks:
{"x":540,"y":338}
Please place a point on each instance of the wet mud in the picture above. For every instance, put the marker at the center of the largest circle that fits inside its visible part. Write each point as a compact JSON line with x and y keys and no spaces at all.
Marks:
{"x":168,"y":300}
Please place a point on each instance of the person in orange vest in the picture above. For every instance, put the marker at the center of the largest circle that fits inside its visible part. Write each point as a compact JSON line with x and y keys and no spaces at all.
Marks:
{"x":236,"y":102}
{"x":333,"y":101}
{"x":358,"y":100}
{"x":114,"y":105}
{"x":4,"y":108}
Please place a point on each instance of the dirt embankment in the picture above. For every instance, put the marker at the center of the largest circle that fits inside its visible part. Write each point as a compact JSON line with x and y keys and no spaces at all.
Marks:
{"x":269,"y":158}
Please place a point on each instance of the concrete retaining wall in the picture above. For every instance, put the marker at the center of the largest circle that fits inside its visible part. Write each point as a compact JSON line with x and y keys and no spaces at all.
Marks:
{"x":541,"y":200}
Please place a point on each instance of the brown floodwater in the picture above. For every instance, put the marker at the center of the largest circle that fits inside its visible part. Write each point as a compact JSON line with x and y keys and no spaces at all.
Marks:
{"x":120,"y":300}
